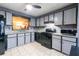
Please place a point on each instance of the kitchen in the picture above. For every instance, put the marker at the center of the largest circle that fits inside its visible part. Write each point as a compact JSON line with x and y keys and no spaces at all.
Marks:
{"x":54,"y":30}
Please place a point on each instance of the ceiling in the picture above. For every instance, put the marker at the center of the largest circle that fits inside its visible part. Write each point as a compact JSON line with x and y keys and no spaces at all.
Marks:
{"x":46,"y":7}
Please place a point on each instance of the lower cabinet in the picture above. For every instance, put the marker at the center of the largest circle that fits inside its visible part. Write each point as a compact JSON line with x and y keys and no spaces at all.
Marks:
{"x":27,"y":38}
{"x":32,"y":37}
{"x":11,"y":41}
{"x":56,"y":44}
{"x":66,"y":45}
{"x":20,"y":39}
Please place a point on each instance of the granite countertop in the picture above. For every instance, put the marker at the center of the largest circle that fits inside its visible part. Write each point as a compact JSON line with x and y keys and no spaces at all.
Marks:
{"x":18,"y":32}
{"x":65,"y":35}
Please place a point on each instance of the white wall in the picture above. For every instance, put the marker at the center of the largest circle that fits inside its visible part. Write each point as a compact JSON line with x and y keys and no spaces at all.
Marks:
{"x":52,"y":27}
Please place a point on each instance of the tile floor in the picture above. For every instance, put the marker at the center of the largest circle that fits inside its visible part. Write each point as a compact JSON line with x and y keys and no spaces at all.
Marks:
{"x":32,"y":49}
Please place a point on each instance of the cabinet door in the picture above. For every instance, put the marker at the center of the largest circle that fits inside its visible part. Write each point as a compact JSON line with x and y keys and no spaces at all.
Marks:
{"x":42,"y":21}
{"x":32,"y":37}
{"x":8,"y":18}
{"x":66,"y":47}
{"x":27,"y":38}
{"x":38,"y":22}
{"x":51,"y":17}
{"x":20,"y":39}
{"x":32,"y":22}
{"x":2,"y":13}
{"x":58,"y":18}
{"x":46,"y":19}
{"x":70,"y":16}
{"x":11,"y":41}
{"x":56,"y":42}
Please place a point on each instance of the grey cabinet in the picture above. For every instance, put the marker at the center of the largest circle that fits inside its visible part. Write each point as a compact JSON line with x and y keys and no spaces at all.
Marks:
{"x":67,"y":44}
{"x":20,"y":39}
{"x":58,"y":18}
{"x":51,"y":17}
{"x":42,"y":21}
{"x":8,"y":18}
{"x":70,"y":16}
{"x":27,"y":40}
{"x":11,"y":41}
{"x":32,"y":22}
{"x":38,"y":22}
{"x":46,"y":19}
{"x":56,"y":42}
{"x":2,"y":13}
{"x":32,"y":37}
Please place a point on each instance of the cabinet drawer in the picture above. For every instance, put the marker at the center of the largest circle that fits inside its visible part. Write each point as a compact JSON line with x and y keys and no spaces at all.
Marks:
{"x":69,"y":39}
{"x":58,"y":37}
{"x":20,"y":34}
{"x":27,"y":33}
{"x":13,"y":35}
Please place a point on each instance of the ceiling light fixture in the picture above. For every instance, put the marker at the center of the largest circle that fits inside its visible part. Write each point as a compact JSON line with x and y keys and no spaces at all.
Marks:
{"x":29,"y":7}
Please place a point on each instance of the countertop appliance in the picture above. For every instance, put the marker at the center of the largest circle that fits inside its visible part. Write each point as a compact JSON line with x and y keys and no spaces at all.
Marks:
{"x":69,"y":32}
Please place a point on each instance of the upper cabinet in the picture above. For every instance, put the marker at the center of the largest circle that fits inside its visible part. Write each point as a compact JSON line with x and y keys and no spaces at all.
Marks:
{"x":2,"y":13}
{"x":8,"y":18}
{"x":46,"y":19}
{"x":70,"y":16}
{"x":32,"y":22}
{"x":42,"y":21}
{"x":58,"y":18}
{"x":38,"y":22}
{"x":51,"y":17}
